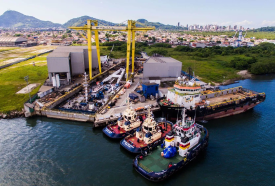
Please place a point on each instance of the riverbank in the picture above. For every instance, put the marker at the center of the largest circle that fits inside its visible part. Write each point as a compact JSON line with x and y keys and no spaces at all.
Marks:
{"x":12,"y":115}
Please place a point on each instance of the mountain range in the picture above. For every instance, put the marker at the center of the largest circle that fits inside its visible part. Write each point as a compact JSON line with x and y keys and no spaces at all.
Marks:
{"x":14,"y":19}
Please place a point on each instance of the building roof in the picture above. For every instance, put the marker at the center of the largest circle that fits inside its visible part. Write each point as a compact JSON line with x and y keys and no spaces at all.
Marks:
{"x":59,"y":54}
{"x":12,"y":39}
{"x":162,"y":60}
{"x":149,"y":84}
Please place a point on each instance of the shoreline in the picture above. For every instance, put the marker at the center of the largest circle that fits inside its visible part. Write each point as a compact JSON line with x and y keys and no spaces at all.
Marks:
{"x":244,"y":74}
{"x":12,"y":114}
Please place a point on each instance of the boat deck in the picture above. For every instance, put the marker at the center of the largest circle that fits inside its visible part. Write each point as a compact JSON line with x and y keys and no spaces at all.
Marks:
{"x":116,"y":130}
{"x":223,"y":98}
{"x":141,"y":144}
{"x":156,"y":163}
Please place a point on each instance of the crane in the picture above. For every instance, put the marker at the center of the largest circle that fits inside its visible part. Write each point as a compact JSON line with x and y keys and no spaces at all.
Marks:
{"x":130,"y":29}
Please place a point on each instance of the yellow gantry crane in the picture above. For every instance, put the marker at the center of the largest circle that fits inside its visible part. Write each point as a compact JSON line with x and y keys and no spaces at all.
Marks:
{"x":130,"y":29}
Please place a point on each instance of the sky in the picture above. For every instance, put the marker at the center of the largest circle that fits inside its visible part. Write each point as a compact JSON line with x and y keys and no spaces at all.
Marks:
{"x":247,"y":13}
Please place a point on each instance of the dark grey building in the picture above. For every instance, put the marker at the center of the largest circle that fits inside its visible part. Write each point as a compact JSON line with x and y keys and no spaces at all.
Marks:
{"x":161,"y":67}
{"x":12,"y":41}
{"x":68,"y":61}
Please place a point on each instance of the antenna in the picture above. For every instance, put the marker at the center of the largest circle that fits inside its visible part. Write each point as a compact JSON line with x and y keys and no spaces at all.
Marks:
{"x":149,"y":112}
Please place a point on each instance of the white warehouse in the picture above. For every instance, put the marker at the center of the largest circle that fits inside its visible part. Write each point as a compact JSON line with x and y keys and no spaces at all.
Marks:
{"x":162,"y":67}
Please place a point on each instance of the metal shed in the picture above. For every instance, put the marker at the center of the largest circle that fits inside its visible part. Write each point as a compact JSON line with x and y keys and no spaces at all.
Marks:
{"x":162,"y":67}
{"x":11,"y":41}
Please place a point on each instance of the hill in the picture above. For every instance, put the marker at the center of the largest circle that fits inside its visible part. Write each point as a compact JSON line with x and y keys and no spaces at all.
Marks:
{"x":265,"y":29}
{"x":79,"y":21}
{"x":155,"y":24}
{"x":14,"y":19}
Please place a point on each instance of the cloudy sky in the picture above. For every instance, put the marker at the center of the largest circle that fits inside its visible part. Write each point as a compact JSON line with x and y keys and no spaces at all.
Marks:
{"x":247,"y":13}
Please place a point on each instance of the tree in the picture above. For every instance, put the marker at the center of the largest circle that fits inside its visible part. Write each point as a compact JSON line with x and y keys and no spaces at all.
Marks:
{"x":154,"y":39}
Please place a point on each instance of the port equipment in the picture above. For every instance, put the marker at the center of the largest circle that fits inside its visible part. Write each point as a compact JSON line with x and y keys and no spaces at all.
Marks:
{"x":130,"y":29}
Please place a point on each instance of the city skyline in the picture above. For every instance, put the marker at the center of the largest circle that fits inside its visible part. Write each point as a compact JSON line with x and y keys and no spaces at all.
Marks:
{"x":249,"y":14}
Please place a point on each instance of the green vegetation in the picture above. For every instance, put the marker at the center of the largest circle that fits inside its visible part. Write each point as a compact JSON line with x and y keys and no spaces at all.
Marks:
{"x":12,"y":80}
{"x":217,"y":64}
{"x":3,"y":49}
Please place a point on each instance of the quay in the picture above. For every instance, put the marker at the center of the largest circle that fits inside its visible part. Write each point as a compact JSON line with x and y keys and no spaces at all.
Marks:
{"x":97,"y":119}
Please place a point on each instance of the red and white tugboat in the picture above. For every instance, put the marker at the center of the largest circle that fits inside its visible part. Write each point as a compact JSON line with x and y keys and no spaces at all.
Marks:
{"x":126,"y":124}
{"x":149,"y":135}
{"x":181,"y":146}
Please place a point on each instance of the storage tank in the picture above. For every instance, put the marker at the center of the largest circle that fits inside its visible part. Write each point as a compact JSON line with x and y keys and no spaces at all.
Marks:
{"x":57,"y":80}
{"x":54,"y":81}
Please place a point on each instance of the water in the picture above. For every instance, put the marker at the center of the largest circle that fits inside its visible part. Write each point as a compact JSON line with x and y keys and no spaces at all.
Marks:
{"x":42,"y":151}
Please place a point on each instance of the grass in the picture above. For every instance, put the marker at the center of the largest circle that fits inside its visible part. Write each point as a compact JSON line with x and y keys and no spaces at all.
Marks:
{"x":12,"y":53}
{"x":4,"y":49}
{"x":12,"y":80}
{"x":114,"y":54}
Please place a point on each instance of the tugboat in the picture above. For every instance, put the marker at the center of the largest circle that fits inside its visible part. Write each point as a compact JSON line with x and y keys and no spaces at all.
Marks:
{"x":149,"y":135}
{"x":207,"y":102}
{"x":125,"y":125}
{"x":181,"y":146}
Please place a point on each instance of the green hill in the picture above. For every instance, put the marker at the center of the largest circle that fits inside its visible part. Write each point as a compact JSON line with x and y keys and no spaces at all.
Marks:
{"x":14,"y":19}
{"x":79,"y":21}
{"x":155,"y":24}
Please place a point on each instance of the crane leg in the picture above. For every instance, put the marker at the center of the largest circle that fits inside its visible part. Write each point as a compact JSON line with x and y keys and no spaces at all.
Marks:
{"x":133,"y":51}
{"x":89,"y":35}
{"x":128,"y":53}
{"x":98,"y":50}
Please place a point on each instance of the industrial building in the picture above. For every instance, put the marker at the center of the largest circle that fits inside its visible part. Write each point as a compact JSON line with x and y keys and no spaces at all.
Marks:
{"x":67,"y":61}
{"x":162,"y":67}
{"x":12,"y":41}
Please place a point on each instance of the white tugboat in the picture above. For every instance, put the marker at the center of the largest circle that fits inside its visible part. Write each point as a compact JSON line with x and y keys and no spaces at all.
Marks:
{"x":125,"y":125}
{"x":182,"y":145}
{"x":149,"y":135}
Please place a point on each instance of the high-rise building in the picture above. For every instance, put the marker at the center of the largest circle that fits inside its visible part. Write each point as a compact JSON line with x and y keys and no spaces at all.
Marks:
{"x":235,"y":27}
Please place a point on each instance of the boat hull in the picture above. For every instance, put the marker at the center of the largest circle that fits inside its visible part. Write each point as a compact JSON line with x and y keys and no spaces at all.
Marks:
{"x":137,"y":150}
{"x":209,"y":113}
{"x":115,"y":135}
{"x":165,"y":174}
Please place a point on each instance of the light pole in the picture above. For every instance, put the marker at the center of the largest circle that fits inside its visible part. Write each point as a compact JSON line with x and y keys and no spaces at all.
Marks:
{"x":26,"y":78}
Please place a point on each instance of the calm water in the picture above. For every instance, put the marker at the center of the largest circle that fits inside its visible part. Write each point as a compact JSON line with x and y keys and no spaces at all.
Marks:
{"x":42,"y":151}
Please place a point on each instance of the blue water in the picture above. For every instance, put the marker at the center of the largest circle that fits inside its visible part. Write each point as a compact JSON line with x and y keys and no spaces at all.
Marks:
{"x":43,"y":151}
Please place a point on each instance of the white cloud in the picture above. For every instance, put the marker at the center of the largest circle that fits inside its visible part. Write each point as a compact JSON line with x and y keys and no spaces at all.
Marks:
{"x":268,"y":23}
{"x":245,"y":22}
{"x":226,"y":23}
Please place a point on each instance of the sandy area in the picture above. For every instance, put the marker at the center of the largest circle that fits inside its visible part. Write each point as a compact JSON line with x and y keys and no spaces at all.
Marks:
{"x":244,"y":74}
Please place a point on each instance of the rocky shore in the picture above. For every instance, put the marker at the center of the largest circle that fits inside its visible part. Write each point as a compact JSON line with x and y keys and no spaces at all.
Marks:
{"x":12,"y":114}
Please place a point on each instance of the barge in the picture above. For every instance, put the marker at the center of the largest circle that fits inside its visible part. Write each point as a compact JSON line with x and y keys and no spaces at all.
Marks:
{"x":207,"y":103}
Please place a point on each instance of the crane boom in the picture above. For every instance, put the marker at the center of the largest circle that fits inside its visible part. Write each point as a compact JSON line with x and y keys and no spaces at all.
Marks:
{"x":130,"y":29}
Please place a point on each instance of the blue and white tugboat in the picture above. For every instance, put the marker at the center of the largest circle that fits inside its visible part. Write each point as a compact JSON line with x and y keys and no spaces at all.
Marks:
{"x":126,"y":124}
{"x":149,"y":135}
{"x":181,"y":146}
